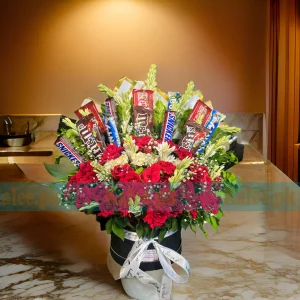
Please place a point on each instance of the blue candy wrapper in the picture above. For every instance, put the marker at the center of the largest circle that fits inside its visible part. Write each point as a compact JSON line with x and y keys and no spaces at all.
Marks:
{"x":112,"y":131}
{"x":173,"y":98}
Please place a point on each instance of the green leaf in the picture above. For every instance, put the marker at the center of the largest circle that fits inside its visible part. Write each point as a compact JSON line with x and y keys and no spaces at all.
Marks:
{"x":119,"y":232}
{"x":139,"y":230}
{"x":108,"y":226}
{"x":174,"y":225}
{"x":193,"y":227}
{"x":219,"y":214}
{"x":202,"y":229}
{"x":121,"y":222}
{"x":57,"y":159}
{"x":162,"y":234}
{"x":60,"y":171}
{"x":146,"y":229}
{"x":184,"y":224}
{"x":214,"y":223}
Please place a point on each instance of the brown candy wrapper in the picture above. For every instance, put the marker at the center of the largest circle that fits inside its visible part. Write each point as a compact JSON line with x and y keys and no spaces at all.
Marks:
{"x":194,"y":137}
{"x":143,"y":120}
{"x":143,"y":111}
{"x":90,"y":134}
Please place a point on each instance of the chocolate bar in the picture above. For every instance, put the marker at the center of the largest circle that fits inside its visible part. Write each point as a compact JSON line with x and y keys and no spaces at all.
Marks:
{"x":142,"y":120}
{"x":174,"y":97}
{"x":111,"y":109}
{"x":68,"y":150}
{"x":212,"y":125}
{"x":143,"y":111}
{"x":112,"y":131}
{"x":90,"y":134}
{"x":143,"y":98}
{"x":201,"y":113}
{"x":168,"y":126}
{"x":91,"y":107}
{"x":194,"y":137}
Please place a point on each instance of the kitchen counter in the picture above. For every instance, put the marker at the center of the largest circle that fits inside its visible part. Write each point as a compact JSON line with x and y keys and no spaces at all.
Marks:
{"x":254,"y":255}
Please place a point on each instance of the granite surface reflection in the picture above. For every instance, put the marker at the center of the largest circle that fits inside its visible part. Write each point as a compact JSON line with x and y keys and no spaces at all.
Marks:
{"x":255,"y":254}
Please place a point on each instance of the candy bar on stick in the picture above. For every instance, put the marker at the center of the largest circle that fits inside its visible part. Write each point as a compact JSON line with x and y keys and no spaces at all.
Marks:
{"x":168,"y":126}
{"x":174,"y":97}
{"x":110,"y":105}
{"x":92,"y":109}
{"x":89,"y":99}
{"x":90,"y":134}
{"x":112,"y":131}
{"x":212,"y":125}
{"x":143,"y":111}
{"x":194,"y":137}
{"x":201,"y":113}
{"x":68,"y":150}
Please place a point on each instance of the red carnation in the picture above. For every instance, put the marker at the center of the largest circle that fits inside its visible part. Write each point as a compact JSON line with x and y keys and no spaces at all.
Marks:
{"x":119,"y":171}
{"x":111,"y":152}
{"x":194,"y":214}
{"x":210,"y":202}
{"x":85,"y":174}
{"x":151,"y":174}
{"x":183,"y":153}
{"x":130,"y":176}
{"x":156,"y":218}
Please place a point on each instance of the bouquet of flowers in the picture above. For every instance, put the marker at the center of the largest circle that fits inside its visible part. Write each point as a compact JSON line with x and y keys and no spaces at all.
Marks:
{"x":148,"y":164}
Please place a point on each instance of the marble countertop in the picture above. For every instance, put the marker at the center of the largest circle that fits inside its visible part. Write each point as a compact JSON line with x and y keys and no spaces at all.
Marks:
{"x":255,"y":254}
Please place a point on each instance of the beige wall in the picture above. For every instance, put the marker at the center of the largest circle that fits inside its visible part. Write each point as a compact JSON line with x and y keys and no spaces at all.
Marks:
{"x":56,"y":52}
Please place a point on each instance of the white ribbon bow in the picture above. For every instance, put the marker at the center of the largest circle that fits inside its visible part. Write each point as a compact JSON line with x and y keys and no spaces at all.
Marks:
{"x":131,"y":265}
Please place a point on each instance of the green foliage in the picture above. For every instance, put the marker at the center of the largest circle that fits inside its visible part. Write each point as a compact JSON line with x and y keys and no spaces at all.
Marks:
{"x":181,"y":120}
{"x":118,"y":231}
{"x":60,"y":171}
{"x":108,"y":226}
{"x":151,"y":78}
{"x":158,"y":116}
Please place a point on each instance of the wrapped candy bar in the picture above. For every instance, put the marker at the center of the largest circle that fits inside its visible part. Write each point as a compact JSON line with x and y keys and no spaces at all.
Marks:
{"x":143,"y":111}
{"x":168,"y":126}
{"x":194,"y":137}
{"x":212,"y":125}
{"x":89,"y":99}
{"x":201,"y":113}
{"x":90,"y":134}
{"x":111,"y":109}
{"x":174,"y":97}
{"x":112,"y":131}
{"x":91,"y":107}
{"x":68,"y":150}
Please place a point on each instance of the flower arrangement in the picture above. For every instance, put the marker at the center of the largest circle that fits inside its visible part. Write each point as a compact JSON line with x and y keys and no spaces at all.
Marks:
{"x":147,"y":161}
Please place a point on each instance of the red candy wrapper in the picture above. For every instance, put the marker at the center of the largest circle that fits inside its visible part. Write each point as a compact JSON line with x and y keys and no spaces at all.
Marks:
{"x":91,"y":135}
{"x":201,"y":113}
{"x":143,"y":98}
{"x":91,"y":106}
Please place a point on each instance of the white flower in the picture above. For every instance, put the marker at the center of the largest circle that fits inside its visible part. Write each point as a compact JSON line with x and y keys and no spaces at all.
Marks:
{"x":122,"y":160}
{"x":142,"y":159}
{"x":164,"y":150}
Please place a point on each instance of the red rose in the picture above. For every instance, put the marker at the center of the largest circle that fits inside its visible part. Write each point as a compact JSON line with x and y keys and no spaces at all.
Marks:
{"x":151,"y":174}
{"x":194,"y":214}
{"x":111,"y":152}
{"x":183,"y":153}
{"x":167,"y":167}
{"x":119,"y":171}
{"x":156,"y":218}
{"x":83,"y":196}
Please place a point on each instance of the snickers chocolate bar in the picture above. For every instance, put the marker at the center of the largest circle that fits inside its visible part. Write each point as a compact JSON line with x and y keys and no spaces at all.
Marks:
{"x":168,"y":126}
{"x":90,"y":134}
{"x":68,"y":150}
